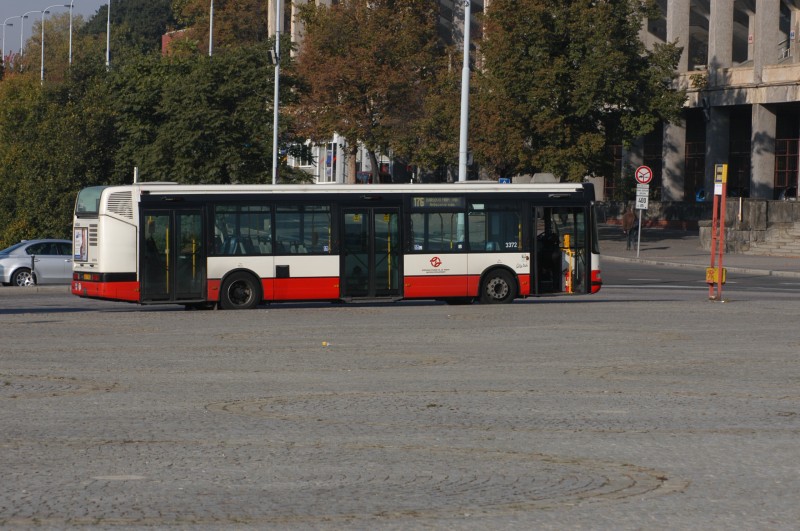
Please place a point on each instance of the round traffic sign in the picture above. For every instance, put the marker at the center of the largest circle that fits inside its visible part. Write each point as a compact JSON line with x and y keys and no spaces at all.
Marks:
{"x":643,"y":174}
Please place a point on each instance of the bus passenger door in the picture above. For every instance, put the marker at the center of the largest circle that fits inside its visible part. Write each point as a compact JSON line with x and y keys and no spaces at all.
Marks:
{"x":370,"y":253}
{"x":561,"y":255}
{"x":172,"y":257}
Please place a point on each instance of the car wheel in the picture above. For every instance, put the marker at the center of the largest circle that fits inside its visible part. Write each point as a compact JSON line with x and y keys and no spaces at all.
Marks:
{"x":22,"y":277}
{"x":498,"y":288}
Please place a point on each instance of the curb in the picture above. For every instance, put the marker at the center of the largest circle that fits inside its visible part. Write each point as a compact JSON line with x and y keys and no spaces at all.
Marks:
{"x":666,"y":263}
{"x":32,"y":290}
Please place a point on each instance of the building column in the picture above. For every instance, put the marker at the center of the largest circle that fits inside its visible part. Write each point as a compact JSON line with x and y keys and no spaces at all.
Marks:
{"x":718,"y":141}
{"x":720,"y":40}
{"x":793,"y":21}
{"x":298,"y":28}
{"x":673,"y":170}
{"x":766,"y":36}
{"x":762,"y":153}
{"x":678,"y":29}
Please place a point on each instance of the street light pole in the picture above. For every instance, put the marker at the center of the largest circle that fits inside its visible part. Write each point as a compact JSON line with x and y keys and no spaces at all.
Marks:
{"x":6,"y":23}
{"x":277,"y":92}
{"x":108,"y":36}
{"x":71,"y":6}
{"x":45,"y":12}
{"x":211,"y":30}
{"x":462,"y":146}
{"x":22,"y":29}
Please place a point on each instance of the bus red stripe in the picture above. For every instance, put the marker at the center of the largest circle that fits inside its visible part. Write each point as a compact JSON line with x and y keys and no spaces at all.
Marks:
{"x":310,"y":288}
{"x":120,"y":291}
{"x":424,"y":287}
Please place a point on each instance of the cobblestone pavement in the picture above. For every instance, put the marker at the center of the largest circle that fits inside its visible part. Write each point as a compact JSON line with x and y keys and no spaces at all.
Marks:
{"x":617,"y":411}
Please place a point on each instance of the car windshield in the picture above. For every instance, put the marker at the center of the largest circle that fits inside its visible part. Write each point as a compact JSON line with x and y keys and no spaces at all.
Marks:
{"x":8,"y":250}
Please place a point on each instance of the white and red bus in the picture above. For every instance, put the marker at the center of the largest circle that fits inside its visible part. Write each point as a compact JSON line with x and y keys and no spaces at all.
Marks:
{"x":237,"y":246}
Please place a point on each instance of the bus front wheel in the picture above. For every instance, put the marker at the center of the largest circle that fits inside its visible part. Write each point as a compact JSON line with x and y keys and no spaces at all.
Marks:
{"x":498,"y":287}
{"x":240,"y":292}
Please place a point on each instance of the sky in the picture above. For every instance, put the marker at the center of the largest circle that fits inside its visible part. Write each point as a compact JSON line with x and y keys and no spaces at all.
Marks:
{"x":14,"y":8}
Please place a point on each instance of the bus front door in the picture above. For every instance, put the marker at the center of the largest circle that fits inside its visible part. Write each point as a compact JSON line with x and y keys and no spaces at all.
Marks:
{"x":172,"y":257}
{"x":370,"y":265}
{"x":561,"y":253}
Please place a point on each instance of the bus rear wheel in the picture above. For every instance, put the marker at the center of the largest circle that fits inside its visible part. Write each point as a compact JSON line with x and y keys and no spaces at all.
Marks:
{"x":498,"y":288}
{"x":240,"y":292}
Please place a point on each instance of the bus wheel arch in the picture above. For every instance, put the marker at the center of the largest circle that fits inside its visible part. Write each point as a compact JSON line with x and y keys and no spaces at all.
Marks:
{"x":499,"y":285}
{"x":241,"y":290}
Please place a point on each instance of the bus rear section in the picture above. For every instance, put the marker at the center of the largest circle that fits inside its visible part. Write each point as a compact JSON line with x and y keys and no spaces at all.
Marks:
{"x":104,"y":245}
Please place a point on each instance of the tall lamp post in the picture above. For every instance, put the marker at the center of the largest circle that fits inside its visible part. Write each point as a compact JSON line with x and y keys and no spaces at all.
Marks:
{"x":462,"y":145}
{"x":45,"y":12}
{"x":22,"y":29}
{"x":108,"y":36}
{"x":5,"y":24}
{"x":211,"y":29}
{"x":277,"y":92}
{"x":71,"y":6}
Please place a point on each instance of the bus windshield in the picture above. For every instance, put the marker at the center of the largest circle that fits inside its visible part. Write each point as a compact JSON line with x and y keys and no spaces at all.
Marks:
{"x":88,"y":203}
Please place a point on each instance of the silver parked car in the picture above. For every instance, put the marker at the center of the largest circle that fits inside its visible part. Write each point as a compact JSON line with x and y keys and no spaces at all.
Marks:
{"x":50,"y":260}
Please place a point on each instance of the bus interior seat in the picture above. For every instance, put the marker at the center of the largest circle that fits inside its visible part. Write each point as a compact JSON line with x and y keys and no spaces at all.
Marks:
{"x":492,"y":246}
{"x":249,"y":248}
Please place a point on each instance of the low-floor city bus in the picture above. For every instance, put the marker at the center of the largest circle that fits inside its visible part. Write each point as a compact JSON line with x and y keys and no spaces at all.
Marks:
{"x":237,"y":246}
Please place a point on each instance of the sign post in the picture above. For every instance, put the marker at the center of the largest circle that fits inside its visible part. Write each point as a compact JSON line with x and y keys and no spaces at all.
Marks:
{"x":643,"y":177}
{"x":715,"y":275}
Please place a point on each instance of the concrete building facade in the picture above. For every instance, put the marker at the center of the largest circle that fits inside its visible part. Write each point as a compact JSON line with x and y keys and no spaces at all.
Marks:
{"x":741,"y":69}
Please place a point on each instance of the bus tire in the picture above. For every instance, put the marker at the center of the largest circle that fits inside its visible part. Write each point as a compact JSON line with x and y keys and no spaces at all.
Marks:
{"x":240,"y":291}
{"x":498,"y":287}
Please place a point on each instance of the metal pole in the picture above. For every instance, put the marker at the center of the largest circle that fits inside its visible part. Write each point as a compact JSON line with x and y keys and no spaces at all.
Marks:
{"x":46,"y":12}
{"x":41,"y":76}
{"x":22,"y":29}
{"x":277,"y":92}
{"x":639,"y":235}
{"x":71,"y":6}
{"x":462,"y":146}
{"x":108,"y":36}
{"x":211,"y":30}
{"x":6,"y":23}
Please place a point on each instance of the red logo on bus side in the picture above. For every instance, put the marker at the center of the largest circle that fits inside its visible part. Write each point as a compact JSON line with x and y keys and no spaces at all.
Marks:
{"x":436,"y":261}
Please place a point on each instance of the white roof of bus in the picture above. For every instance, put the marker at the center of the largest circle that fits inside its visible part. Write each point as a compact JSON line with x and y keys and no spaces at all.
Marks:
{"x":469,"y":186}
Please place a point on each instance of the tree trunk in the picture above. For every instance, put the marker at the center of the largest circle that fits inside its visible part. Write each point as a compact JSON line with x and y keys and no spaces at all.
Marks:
{"x":352,"y":151}
{"x":373,"y":163}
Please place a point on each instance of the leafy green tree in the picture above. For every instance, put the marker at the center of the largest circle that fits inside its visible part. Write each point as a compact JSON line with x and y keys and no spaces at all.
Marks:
{"x":236,"y":22}
{"x":56,"y":48}
{"x":50,"y":147}
{"x":563,"y":80}
{"x":431,"y":139}
{"x":194,"y":119}
{"x":366,"y":67}
{"x":137,"y":24}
